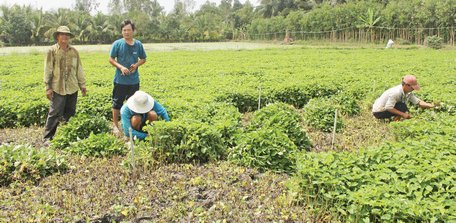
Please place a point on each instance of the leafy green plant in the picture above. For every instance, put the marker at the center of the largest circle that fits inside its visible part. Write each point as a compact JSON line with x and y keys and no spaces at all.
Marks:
{"x":434,"y":42}
{"x":95,"y":104}
{"x":347,"y":104}
{"x":443,"y":124}
{"x":265,"y":149}
{"x":79,"y":127}
{"x":283,"y":117}
{"x":27,"y":164}
{"x":183,"y":142}
{"x":98,"y":145}
{"x":319,"y":114}
{"x":405,"y":181}
{"x":223,"y":116}
{"x":299,"y":95}
{"x":245,"y":102}
{"x":271,"y":139}
{"x":28,"y":113}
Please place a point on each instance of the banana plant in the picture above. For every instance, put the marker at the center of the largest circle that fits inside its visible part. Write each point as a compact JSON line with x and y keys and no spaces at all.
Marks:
{"x":369,"y":20}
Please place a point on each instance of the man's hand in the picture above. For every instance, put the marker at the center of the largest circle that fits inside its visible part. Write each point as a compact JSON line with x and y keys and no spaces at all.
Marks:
{"x":133,"y":67}
{"x":124,"y":70}
{"x":406,"y":116}
{"x":84,"y":91}
{"x":49,"y":94}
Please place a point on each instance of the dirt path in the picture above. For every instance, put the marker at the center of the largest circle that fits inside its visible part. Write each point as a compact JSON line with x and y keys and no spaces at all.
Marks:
{"x":152,"y":47}
{"x":23,"y":136}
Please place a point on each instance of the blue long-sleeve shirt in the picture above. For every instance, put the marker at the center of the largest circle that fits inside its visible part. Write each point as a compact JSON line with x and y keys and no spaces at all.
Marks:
{"x":126,"y":114}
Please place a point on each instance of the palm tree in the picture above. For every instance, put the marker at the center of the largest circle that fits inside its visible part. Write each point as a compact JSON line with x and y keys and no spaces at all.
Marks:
{"x":56,"y":19}
{"x":39,"y":26}
{"x":99,"y":30}
{"x":79,"y":26}
{"x":269,"y":8}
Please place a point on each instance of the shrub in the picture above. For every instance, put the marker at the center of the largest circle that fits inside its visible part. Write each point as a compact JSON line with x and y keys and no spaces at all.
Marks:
{"x":283,"y":117}
{"x":7,"y":115}
{"x":294,"y":95}
{"x":224,"y":117}
{"x":182,"y":142}
{"x":79,"y":127}
{"x":408,"y":181}
{"x":443,"y":123}
{"x":27,"y":164}
{"x":95,"y":104}
{"x":319,"y":114}
{"x":434,"y":42}
{"x":98,"y":145}
{"x":403,"y":41}
{"x":299,"y":96}
{"x":346,"y":104}
{"x":14,"y":114}
{"x":32,"y":113}
{"x":265,"y":149}
{"x":244,"y":102}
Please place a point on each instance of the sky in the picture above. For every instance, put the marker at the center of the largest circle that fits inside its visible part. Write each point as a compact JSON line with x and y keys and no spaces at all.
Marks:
{"x":55,"y":4}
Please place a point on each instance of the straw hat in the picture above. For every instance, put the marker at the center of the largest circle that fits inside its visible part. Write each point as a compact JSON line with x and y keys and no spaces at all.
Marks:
{"x":140,"y":102}
{"x":62,"y":29}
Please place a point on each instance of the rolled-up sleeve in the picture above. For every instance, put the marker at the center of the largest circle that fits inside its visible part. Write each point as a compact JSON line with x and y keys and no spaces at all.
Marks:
{"x":414,"y":99}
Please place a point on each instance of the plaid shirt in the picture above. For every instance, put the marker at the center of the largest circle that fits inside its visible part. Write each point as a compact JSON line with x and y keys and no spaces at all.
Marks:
{"x":63,"y":71}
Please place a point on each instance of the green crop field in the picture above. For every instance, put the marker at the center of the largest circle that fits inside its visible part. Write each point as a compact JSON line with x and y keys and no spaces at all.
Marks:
{"x":250,"y":140}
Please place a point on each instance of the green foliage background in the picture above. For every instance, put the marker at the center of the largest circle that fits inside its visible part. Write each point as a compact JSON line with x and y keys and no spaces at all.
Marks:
{"x":346,"y":21}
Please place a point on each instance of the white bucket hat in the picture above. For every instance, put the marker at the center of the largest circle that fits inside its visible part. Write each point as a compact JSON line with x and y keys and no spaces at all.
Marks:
{"x":140,"y":102}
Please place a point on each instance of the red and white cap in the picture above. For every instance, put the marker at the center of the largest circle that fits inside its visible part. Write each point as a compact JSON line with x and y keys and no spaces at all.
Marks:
{"x":411,"y":81}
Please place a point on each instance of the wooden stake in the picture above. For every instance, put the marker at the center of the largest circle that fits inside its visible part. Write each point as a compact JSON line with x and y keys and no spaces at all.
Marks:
{"x":334,"y":129}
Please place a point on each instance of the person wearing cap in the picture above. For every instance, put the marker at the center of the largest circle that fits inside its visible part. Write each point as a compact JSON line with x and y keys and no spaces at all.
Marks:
{"x":393,"y":102}
{"x":126,"y":54}
{"x":63,"y":77}
{"x":141,"y":107}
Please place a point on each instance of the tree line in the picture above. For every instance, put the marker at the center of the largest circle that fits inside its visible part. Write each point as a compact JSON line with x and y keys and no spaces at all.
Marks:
{"x":336,"y":20}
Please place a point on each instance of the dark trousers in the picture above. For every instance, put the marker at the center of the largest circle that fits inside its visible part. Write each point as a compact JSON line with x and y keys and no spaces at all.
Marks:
{"x":121,"y":93}
{"x":386,"y":114}
{"x":62,"y":107}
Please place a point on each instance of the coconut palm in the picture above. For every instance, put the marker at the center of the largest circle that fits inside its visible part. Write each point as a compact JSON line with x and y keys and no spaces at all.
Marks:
{"x":56,"y":19}
{"x":39,"y":27}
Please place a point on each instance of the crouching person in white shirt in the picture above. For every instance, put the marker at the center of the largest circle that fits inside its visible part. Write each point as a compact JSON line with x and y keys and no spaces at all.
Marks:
{"x":393,"y":102}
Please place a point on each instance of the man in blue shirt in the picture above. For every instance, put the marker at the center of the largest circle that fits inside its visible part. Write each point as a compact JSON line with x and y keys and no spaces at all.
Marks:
{"x":127,"y":54}
{"x":141,"y":107}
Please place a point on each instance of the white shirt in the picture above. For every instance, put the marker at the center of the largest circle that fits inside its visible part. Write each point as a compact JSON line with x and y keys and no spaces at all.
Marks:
{"x":391,"y":96}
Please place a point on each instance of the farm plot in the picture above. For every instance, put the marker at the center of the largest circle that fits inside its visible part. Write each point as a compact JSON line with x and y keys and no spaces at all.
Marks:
{"x":267,"y":109}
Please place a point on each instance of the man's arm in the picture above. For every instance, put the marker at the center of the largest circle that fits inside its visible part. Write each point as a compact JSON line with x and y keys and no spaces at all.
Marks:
{"x":161,"y":111}
{"x":81,"y":77}
{"x":135,"y":66}
{"x":49,"y":74}
{"x":119,"y":66}
{"x":423,"y":104}
{"x":399,"y":113}
{"x":142,"y":58}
